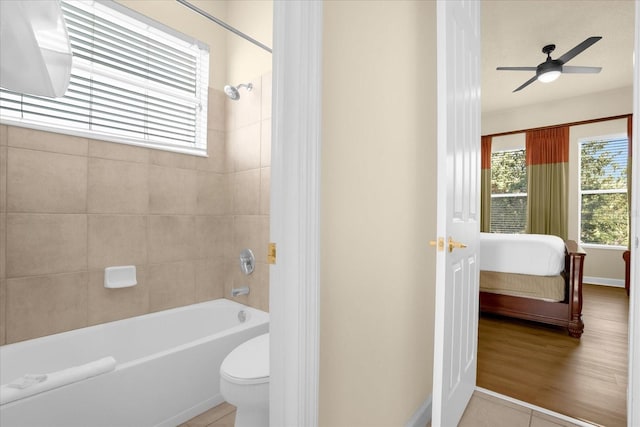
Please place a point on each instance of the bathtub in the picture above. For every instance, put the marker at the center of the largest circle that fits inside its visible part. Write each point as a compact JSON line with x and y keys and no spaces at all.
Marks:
{"x":166,"y":370}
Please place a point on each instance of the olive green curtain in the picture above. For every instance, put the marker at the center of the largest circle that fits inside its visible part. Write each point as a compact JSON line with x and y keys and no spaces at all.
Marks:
{"x":485,"y":185}
{"x":629,"y":180}
{"x":547,"y":159}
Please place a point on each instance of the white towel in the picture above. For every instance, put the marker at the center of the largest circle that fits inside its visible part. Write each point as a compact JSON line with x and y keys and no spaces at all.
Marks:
{"x":31,"y":384}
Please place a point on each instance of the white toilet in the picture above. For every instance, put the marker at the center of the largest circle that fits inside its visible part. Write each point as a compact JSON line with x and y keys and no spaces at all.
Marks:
{"x":244,"y":382}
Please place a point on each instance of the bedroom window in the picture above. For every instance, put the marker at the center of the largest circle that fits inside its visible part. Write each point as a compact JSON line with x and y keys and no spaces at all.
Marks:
{"x":133,"y":81}
{"x":604,"y":216}
{"x":508,"y":191}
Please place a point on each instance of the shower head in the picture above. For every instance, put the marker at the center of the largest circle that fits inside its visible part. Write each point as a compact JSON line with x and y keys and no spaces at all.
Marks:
{"x":233,"y":92}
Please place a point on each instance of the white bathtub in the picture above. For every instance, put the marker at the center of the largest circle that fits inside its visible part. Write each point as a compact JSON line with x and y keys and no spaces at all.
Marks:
{"x":167,"y":368}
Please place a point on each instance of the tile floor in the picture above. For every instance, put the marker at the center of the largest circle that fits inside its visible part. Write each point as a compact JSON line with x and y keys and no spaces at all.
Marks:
{"x":223,"y":415}
{"x":484,"y":410}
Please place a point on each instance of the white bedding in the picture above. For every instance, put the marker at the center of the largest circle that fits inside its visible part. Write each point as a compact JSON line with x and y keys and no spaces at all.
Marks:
{"x":534,"y":254}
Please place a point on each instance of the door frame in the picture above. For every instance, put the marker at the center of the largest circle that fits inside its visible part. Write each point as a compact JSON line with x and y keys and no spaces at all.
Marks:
{"x":297,"y":104}
{"x":294,"y":220}
{"x":633,"y":391}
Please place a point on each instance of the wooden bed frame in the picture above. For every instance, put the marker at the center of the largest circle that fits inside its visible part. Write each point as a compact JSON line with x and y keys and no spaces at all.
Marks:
{"x":567,"y":313}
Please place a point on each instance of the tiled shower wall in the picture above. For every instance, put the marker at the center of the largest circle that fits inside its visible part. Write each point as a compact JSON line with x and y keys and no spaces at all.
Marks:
{"x":70,"y":206}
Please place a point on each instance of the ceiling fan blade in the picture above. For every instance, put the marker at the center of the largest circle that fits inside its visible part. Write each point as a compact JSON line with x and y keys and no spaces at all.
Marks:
{"x":527,"y":83}
{"x":578,"y":49}
{"x":581,"y":70}
{"x":517,"y":68}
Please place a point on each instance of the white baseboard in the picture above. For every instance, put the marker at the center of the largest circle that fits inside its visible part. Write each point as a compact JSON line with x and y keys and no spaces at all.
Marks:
{"x":422,"y":416}
{"x":603,"y":281}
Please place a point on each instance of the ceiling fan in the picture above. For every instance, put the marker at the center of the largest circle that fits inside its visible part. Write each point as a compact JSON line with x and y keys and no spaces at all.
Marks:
{"x":551,"y":69}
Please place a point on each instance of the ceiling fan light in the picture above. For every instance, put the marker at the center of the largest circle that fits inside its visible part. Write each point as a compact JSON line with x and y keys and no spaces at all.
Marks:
{"x":549,"y":76}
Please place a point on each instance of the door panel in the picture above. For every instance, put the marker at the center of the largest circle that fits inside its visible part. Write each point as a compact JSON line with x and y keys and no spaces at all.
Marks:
{"x":458,"y":201}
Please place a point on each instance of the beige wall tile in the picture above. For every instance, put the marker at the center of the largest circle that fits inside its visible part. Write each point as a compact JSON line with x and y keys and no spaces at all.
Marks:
{"x":171,"y":238}
{"x":117,"y":151}
{"x":3,"y":135}
{"x":3,"y":179}
{"x":39,"y":181}
{"x":171,"y":285}
{"x":265,"y":143}
{"x":251,"y":231}
{"x":265,"y":191}
{"x":213,"y":236}
{"x":45,"y":244}
{"x":216,"y":110}
{"x":44,"y":305}
{"x":243,"y":145}
{"x":210,"y":277}
{"x":106,"y":305}
{"x":3,"y":311}
{"x":171,"y":159}
{"x":47,"y":141}
{"x":213,"y":194}
{"x":172,"y":190}
{"x":246,"y":193}
{"x":117,"y":187}
{"x":117,"y":240}
{"x":266,"y":95}
{"x":216,"y":152}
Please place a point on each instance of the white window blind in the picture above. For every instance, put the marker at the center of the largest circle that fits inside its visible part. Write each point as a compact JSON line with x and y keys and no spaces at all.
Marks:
{"x":133,"y":80}
{"x":604,"y":216}
{"x":508,"y":192}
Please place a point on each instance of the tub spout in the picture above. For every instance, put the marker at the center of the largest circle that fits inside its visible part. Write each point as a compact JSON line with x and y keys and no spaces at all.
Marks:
{"x":240,"y":291}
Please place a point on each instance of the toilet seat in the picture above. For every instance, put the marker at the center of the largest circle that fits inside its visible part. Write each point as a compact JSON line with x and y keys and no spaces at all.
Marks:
{"x":248,"y":363}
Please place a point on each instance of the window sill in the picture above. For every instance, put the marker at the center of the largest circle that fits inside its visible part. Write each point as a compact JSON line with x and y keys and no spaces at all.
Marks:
{"x":604,"y":247}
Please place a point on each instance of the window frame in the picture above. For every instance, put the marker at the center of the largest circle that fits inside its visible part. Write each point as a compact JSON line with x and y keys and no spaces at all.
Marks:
{"x":610,"y":137}
{"x":147,"y":26}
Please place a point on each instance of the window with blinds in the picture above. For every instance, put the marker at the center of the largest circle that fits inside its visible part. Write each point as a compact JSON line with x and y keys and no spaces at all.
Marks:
{"x":508,"y":192}
{"x":604,"y":218}
{"x":133,"y":81}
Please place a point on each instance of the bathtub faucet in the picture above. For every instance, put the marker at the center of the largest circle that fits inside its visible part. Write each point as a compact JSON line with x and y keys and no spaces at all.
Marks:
{"x":240,"y":291}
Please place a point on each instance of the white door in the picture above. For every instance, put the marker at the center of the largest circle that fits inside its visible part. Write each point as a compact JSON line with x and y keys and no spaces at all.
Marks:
{"x":458,"y":223}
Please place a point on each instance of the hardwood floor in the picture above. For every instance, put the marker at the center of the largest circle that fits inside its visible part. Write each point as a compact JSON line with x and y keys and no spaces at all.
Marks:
{"x":585,"y":379}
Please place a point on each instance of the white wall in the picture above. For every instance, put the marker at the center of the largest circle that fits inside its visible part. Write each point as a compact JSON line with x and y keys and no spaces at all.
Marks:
{"x":594,"y":106}
{"x":377,"y":216}
{"x":245,"y":60}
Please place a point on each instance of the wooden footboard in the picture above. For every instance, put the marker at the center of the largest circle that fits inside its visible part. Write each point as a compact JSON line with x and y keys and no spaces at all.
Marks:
{"x":567,"y":313}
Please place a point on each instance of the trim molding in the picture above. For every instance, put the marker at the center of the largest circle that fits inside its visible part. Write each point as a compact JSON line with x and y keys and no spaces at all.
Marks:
{"x":633,"y":391}
{"x":423,"y":415}
{"x":603,"y":281}
{"x":295,"y":210}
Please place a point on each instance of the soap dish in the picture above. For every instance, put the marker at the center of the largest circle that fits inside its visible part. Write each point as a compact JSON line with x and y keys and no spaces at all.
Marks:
{"x":122,"y":276}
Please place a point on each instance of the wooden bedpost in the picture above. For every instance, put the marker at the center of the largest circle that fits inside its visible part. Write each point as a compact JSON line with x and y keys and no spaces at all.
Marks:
{"x":574,"y":269}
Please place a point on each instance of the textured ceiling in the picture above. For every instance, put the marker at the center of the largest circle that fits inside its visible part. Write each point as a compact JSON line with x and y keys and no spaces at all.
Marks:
{"x":514,"y":32}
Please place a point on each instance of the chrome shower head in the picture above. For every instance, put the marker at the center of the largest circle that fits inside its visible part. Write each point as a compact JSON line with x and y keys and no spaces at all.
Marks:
{"x":233,"y":92}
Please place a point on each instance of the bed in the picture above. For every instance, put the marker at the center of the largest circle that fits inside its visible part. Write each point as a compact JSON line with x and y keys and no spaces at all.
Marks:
{"x":533,"y":277}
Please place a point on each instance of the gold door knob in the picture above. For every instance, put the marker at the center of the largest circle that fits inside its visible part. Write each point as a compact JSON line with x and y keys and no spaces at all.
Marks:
{"x":453,"y":245}
{"x":439,"y":243}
